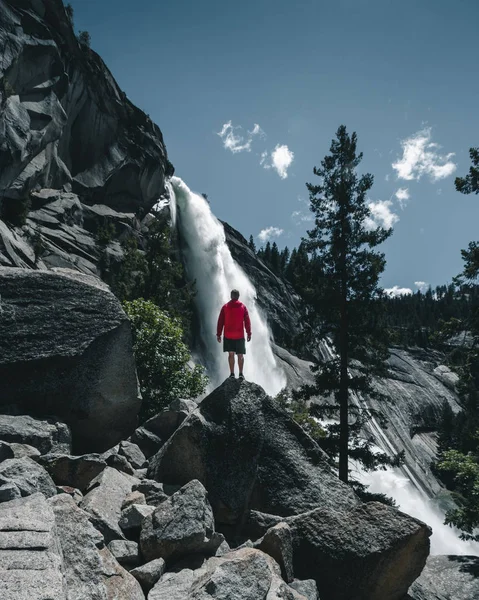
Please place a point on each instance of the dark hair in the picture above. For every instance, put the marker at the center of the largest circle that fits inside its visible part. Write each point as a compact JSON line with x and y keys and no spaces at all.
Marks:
{"x":234,"y":294}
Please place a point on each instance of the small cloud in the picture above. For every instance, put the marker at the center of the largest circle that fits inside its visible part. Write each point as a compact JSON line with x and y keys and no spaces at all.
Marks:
{"x":234,"y":141}
{"x":300,"y":216}
{"x":264,"y":158}
{"x":398,"y":291}
{"x":387,"y":177}
{"x":422,"y":286}
{"x":420,"y":157}
{"x":402,"y":196}
{"x":269,"y":232}
{"x":281,"y":159}
{"x":381,"y":215}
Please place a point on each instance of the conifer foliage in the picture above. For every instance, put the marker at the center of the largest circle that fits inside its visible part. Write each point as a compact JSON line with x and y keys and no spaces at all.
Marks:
{"x":343,"y":285}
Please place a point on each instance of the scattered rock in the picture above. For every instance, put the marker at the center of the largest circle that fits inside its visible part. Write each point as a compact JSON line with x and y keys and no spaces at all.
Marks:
{"x":249,"y":454}
{"x":181,"y":525}
{"x":30,"y":558}
{"x":447,"y":578}
{"x":165,"y":423}
{"x":104,"y":500}
{"x":148,"y":442}
{"x":6,"y":451}
{"x":278,"y":543}
{"x":132,"y":518}
{"x":28,"y":476}
{"x":118,"y":462}
{"x":9,"y":491}
{"x":223,"y":549}
{"x":147,"y":575}
{"x":66,"y":347}
{"x":74,"y":493}
{"x":73,"y":471}
{"x":133,"y":454}
{"x":154,"y":492}
{"x":126,"y":553}
{"x":24,"y":451}
{"x":306,"y":587}
{"x":46,"y":435}
{"x":135,"y":497}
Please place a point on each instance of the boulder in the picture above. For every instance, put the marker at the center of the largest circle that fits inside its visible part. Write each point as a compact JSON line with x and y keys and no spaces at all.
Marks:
{"x":9,"y":491}
{"x":133,"y":454}
{"x":66,"y":348}
{"x":73,"y":471}
{"x":147,"y":575}
{"x":30,"y":555}
{"x":132,"y":518}
{"x":104,"y":500}
{"x":249,"y":454}
{"x":134,"y":498}
{"x":74,"y":493}
{"x":181,"y":525}
{"x":147,"y":441}
{"x":125,"y":552}
{"x":119,"y":462}
{"x":245,"y":574}
{"x":24,"y":451}
{"x":278,"y":543}
{"x":447,"y":578}
{"x":46,"y":435}
{"x":306,"y":587}
{"x":165,"y":423}
{"x":28,"y":477}
{"x":89,"y":569}
{"x":153,"y":491}
{"x":372,"y":552}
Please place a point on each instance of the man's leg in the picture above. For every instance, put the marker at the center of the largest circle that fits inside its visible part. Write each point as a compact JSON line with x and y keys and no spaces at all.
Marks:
{"x":240,"y":363}
{"x":231,"y":361}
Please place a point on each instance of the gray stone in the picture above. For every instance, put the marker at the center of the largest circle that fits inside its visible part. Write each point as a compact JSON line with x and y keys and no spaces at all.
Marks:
{"x":148,"y":442}
{"x":9,"y":491}
{"x":447,"y":578}
{"x":90,"y":570}
{"x":278,"y":543}
{"x":147,"y":575}
{"x":118,"y":462}
{"x":223,"y":549}
{"x":249,"y":454}
{"x":306,"y":587}
{"x":135,"y":497}
{"x":371,"y":552}
{"x":76,"y":358}
{"x":104,"y":500}
{"x":165,"y":423}
{"x":30,"y":556}
{"x":74,"y":493}
{"x":6,"y":451}
{"x":133,"y":454}
{"x":73,"y":471}
{"x":181,"y":525}
{"x":132,"y":518}
{"x":24,"y":451}
{"x":125,"y":552}
{"x":154,"y":492}
{"x":28,"y":476}
{"x":46,"y":435}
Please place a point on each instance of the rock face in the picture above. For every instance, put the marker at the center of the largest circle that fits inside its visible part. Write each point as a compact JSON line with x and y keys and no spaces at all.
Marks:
{"x":66,"y":349}
{"x":46,"y":435}
{"x":27,"y":476}
{"x":64,"y":120}
{"x":447,"y":578}
{"x":249,"y":454}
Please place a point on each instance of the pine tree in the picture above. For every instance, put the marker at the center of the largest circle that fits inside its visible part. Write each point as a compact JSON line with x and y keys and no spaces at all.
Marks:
{"x":470,"y":183}
{"x":275,"y":259}
{"x":345,"y":288}
{"x":267,"y":253}
{"x":251,"y":244}
{"x":284,"y":259}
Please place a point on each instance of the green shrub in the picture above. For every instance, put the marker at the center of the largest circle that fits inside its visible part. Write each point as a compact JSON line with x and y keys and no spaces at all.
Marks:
{"x":84,"y":38}
{"x":161,"y":358}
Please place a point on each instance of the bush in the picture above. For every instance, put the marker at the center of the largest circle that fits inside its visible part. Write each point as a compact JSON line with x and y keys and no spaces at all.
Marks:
{"x":162,"y":358}
{"x":84,"y":38}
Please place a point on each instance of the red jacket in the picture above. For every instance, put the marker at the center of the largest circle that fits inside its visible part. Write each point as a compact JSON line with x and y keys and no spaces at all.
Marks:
{"x":234,"y":318}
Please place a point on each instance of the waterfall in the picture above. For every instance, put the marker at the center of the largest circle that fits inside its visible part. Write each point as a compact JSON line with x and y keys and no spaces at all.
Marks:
{"x":209,"y":263}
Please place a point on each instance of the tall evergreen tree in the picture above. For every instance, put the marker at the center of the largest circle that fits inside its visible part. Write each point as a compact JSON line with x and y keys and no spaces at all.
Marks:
{"x":251,"y":244}
{"x":284,"y":259}
{"x":345,"y":287}
{"x":275,"y":259}
{"x":267,"y":253}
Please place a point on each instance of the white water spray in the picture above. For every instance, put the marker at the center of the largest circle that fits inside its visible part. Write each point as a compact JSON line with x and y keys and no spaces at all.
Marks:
{"x":209,"y":263}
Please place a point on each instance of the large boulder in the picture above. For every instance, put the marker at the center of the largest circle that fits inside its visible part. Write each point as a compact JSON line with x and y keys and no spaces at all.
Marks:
{"x":179,"y":526}
{"x":30,"y":554}
{"x":73,"y":471}
{"x":66,"y":348}
{"x":46,"y":435}
{"x":249,"y":454}
{"x":447,"y":578}
{"x":27,"y":476}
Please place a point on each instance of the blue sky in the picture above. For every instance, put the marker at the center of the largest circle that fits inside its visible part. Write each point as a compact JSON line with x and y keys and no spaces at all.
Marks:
{"x":285,"y":75}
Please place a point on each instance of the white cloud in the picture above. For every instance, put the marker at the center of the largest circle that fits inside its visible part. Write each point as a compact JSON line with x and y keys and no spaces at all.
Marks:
{"x":269,"y":232}
{"x":281,"y":159}
{"x":403,"y":196}
{"x":420,"y":157}
{"x":398,"y":291}
{"x":422,"y":286}
{"x":299,"y":216}
{"x":234,"y":141}
{"x":381,"y":215}
{"x":264,"y":157}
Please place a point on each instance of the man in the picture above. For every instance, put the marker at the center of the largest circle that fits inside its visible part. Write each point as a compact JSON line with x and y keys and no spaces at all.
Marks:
{"x":234,"y":318}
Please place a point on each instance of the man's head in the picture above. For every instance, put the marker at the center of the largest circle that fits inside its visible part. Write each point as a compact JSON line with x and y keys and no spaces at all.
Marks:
{"x":234,"y":294}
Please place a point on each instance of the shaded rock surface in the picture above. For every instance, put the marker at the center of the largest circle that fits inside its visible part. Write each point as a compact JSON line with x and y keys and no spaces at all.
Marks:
{"x":65,"y":348}
{"x":147,"y":575}
{"x":46,"y":435}
{"x":27,"y":476}
{"x":447,"y":578}
{"x":278,"y":543}
{"x":73,"y":471}
{"x":249,"y":454}
{"x":181,"y":525}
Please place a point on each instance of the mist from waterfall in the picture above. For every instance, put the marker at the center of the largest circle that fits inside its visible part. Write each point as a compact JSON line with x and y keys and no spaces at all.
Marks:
{"x":209,"y":263}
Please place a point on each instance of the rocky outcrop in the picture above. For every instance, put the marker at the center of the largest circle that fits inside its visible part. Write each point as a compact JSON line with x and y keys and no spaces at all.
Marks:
{"x":447,"y":578}
{"x":249,"y":454}
{"x":45,"y":435}
{"x":66,"y":349}
{"x":64,"y":121}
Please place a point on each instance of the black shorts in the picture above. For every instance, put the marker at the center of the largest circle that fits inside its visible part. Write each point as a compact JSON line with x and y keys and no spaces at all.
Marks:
{"x":237,"y":346}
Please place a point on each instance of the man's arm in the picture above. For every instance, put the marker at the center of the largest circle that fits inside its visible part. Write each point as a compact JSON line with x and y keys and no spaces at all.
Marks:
{"x":221,"y":324}
{"x":247,"y":323}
